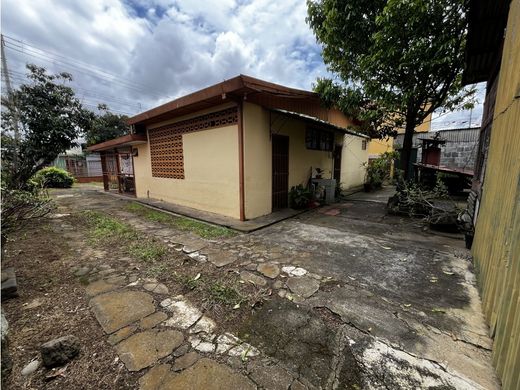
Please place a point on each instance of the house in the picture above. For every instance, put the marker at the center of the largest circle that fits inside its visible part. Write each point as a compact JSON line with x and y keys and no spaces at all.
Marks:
{"x":235,"y":149}
{"x":493,"y":55}
{"x":84,"y":168}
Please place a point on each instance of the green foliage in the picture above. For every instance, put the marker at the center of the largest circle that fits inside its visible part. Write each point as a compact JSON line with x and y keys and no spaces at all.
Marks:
{"x":105,"y":228}
{"x":299,"y":197}
{"x":396,"y":60}
{"x":52,"y":177}
{"x":22,"y":207}
{"x":202,"y":229}
{"x":378,"y":170}
{"x":106,"y":126}
{"x":147,"y":250}
{"x":226,"y":294}
{"x":50,"y":118}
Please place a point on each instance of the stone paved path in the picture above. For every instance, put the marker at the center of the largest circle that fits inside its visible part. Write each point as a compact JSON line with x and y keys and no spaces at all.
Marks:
{"x":174,"y":344}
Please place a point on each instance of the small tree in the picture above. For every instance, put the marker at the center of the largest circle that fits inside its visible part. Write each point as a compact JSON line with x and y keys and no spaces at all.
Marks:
{"x":396,"y":61}
{"x":106,"y":126}
{"x":50,"y":118}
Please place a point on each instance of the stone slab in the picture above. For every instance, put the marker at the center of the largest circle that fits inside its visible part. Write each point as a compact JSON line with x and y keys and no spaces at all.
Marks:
{"x":144,"y":349}
{"x":221,"y":258}
{"x":99,"y":287}
{"x":186,"y":361}
{"x":208,"y":375}
{"x":117,"y":309}
{"x":269,"y":270}
{"x":152,"y":320}
{"x":257,"y":280}
{"x":121,"y":334}
{"x":155,"y":377}
{"x":304,"y":286}
{"x":184,"y":314}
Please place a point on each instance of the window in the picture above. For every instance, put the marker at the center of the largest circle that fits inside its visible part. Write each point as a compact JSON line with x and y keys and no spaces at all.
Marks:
{"x":318,"y":139}
{"x":364,"y":145}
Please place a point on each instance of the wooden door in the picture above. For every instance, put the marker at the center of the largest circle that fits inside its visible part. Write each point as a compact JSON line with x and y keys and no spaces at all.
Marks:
{"x":280,"y":171}
{"x":337,"y":163}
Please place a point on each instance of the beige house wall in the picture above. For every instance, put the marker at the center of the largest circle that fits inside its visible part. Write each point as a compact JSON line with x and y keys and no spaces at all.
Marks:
{"x":257,"y":161}
{"x":352,"y":160}
{"x":211,"y":173}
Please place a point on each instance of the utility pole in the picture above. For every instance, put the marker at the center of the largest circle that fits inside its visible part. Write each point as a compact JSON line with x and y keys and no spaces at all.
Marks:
{"x":12,"y":103}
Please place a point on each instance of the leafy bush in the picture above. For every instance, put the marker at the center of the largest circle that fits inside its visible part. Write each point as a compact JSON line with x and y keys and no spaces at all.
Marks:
{"x":378,"y":170}
{"x":52,"y":177}
{"x":299,"y":197}
{"x":21,"y":207}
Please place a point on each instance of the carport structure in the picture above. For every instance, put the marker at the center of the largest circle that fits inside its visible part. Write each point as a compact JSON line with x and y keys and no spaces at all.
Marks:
{"x":117,"y":162}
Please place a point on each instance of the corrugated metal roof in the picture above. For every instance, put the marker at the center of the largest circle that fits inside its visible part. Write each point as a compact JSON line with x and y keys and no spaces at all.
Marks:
{"x":320,"y":121}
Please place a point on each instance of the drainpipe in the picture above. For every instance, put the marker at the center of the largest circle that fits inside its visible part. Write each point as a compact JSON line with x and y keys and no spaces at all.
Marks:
{"x":241,"y":159}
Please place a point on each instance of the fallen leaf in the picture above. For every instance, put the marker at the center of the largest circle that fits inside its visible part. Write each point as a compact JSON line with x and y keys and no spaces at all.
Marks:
{"x":449,"y":273}
{"x":407,"y":304}
{"x":197,"y":277}
{"x":237,"y":306}
{"x":435,"y":310}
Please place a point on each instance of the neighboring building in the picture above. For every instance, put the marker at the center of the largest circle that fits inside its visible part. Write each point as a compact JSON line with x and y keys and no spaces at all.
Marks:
{"x":458,"y":152}
{"x":493,"y":55}
{"x":377,"y":147}
{"x":235,"y":148}
{"x":84,"y":168}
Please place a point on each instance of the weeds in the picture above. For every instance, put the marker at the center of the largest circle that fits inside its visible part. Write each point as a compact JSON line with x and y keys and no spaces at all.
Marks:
{"x":147,"y":250}
{"x":105,"y":227}
{"x":202,"y":229}
{"x":225,"y":294}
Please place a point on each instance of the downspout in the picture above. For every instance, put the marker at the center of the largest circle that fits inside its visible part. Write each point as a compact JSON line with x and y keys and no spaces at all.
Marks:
{"x":240,"y":109}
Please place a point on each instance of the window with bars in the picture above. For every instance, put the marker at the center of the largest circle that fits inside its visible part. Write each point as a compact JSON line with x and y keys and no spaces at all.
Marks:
{"x":166,"y":149}
{"x":319,"y":139}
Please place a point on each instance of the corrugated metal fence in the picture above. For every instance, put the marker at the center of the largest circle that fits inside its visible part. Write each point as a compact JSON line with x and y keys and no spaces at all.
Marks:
{"x":496,"y":248}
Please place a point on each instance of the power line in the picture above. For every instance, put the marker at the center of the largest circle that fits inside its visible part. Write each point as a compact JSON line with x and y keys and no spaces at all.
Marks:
{"x":33,"y":50}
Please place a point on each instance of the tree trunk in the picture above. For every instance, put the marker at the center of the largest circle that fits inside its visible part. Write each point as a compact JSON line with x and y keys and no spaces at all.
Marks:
{"x":406,"y":151}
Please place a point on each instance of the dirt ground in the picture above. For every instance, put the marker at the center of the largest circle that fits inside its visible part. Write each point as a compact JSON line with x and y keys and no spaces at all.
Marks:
{"x":390,"y":305}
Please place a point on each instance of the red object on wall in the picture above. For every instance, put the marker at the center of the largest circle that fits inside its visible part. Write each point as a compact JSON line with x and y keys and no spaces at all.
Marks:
{"x":431,"y":151}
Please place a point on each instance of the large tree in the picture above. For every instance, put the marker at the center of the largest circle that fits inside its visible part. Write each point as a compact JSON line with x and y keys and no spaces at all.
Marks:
{"x":49,"y":118}
{"x":105,"y":126}
{"x":394,"y":61}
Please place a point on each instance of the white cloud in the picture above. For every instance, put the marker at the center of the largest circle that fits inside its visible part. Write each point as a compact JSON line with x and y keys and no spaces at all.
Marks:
{"x":171,"y":47}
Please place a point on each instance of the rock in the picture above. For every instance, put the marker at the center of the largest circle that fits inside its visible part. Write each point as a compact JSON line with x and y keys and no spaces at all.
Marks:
{"x":278,"y":284}
{"x":82,"y":271}
{"x":9,"y":286}
{"x":205,"y":347}
{"x":37,"y":302}
{"x":205,"y":324}
{"x":99,"y":287}
{"x":59,"y":351}
{"x":149,"y":286}
{"x":161,"y":289}
{"x":270,"y":270}
{"x":297,"y":385}
{"x":270,"y":377}
{"x":146,"y":348}
{"x":294,"y":271}
{"x":181,"y":350}
{"x":304,"y":287}
{"x":121,"y":334}
{"x":152,"y":320}
{"x":257,"y":280}
{"x":184,"y":314}
{"x":244,"y":350}
{"x":193,"y":245}
{"x":282,"y":293}
{"x":6,"y":358}
{"x":30,"y":368}
{"x":209,"y":375}
{"x":155,"y":377}
{"x":221,"y":258}
{"x":117,"y":309}
{"x":186,"y":361}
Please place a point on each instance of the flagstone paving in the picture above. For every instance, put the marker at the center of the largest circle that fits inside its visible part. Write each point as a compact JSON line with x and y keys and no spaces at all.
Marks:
{"x":324,"y":326}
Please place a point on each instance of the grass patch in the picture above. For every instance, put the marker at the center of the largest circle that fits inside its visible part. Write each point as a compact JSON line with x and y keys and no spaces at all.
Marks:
{"x":104,"y":227}
{"x":225,"y":294}
{"x":202,"y":229}
{"x":147,"y":250}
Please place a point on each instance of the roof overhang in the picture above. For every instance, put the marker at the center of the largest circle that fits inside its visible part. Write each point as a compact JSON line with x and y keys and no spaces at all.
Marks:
{"x":487,"y":21}
{"x":236,"y":89}
{"x":322,"y":123}
{"x":125,"y":140}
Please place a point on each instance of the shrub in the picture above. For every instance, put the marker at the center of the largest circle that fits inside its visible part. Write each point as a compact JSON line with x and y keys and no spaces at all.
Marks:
{"x":52,"y":177}
{"x":378,"y":170}
{"x":299,"y":197}
{"x":22,"y":207}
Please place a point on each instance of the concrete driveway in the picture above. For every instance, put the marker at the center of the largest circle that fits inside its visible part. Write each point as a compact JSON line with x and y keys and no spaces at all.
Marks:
{"x":403,"y":299}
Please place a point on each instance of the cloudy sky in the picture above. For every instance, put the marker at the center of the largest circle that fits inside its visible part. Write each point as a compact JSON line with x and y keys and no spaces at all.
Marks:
{"x":135,"y":54}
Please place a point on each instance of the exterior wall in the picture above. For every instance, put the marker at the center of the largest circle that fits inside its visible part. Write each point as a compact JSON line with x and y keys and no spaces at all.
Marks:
{"x":352,"y":160}
{"x":459,"y":151}
{"x":258,"y":123}
{"x":376,"y":147}
{"x":211,"y":172}
{"x":257,"y":161}
{"x":496,"y":246}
